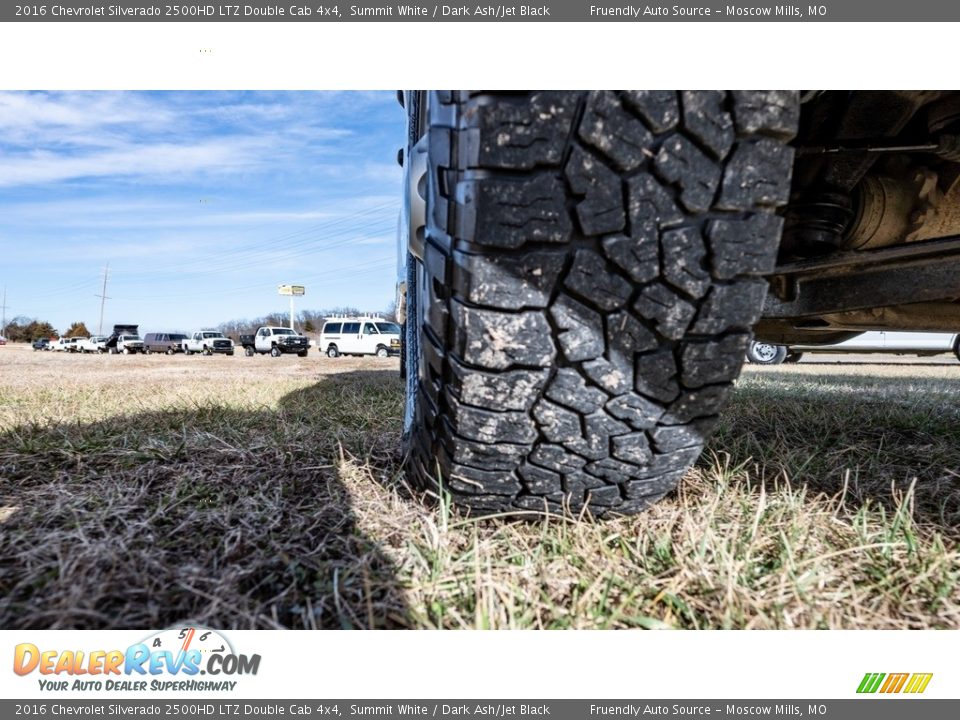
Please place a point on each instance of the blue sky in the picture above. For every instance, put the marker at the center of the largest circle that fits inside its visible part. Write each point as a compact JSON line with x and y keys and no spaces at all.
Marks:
{"x":201,"y":203}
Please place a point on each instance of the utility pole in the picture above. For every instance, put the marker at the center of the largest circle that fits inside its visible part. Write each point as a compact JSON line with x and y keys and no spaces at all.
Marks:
{"x":3,"y":325}
{"x":103,"y":298}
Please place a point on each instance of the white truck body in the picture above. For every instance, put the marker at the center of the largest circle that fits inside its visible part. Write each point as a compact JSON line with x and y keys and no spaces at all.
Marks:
{"x":129,"y":344}
{"x":886,"y":341}
{"x":278,"y":341}
{"x":74,"y":344}
{"x":95,"y":344}
{"x":207,"y":342}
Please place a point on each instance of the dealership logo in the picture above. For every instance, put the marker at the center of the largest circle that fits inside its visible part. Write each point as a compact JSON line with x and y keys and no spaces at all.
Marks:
{"x":913,"y":683}
{"x":168,"y":660}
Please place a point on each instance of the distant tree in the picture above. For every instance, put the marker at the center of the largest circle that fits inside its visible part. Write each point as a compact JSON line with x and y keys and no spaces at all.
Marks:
{"x":23,"y":329}
{"x":391,"y":312}
{"x":77,"y":329}
{"x":275,"y":319}
{"x":43,"y":330}
{"x":348,"y":311}
{"x":236,"y":328}
{"x":308,"y":321}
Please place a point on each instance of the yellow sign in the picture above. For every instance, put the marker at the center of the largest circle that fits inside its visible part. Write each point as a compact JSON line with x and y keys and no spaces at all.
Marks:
{"x":291,"y":289}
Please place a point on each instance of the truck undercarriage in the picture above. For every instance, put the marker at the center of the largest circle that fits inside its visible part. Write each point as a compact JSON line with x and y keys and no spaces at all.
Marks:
{"x":872,"y":229}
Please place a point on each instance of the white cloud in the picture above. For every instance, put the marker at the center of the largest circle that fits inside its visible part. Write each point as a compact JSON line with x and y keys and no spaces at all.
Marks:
{"x":157,"y":161}
{"x":75,"y":118}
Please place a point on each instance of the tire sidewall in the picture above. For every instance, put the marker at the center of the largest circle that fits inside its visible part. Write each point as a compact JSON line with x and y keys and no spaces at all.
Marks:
{"x":412,"y":350}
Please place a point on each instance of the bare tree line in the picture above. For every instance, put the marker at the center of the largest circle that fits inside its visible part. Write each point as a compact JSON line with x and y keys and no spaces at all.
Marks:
{"x":306,"y":321}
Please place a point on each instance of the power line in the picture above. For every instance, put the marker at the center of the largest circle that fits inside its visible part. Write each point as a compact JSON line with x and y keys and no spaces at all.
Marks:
{"x":273,"y":245}
{"x":312,"y":241}
{"x":333,"y":276}
{"x":229,"y":263}
{"x":103,"y":297}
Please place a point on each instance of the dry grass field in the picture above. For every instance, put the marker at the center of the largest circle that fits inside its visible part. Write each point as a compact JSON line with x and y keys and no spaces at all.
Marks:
{"x":259,"y":492}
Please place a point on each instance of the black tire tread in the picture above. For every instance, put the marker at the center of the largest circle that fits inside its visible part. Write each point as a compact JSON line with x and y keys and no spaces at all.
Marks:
{"x":593,"y":270}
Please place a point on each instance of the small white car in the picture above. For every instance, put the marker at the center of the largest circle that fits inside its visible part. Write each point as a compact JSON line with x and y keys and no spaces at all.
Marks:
{"x":359,"y":336}
{"x":894,"y":343}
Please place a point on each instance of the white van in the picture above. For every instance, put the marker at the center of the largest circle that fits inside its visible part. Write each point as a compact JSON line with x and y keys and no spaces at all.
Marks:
{"x":359,"y":336}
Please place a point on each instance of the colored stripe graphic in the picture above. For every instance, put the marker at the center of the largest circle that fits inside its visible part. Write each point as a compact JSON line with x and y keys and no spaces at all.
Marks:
{"x":918,"y":682}
{"x":894,"y":683}
{"x":870,"y":683}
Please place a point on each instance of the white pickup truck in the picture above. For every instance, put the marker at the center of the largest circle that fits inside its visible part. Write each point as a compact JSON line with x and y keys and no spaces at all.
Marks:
{"x":275,"y":340}
{"x":95,"y":344}
{"x":207,"y":342}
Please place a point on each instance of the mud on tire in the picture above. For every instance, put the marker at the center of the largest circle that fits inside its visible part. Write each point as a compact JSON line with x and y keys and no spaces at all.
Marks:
{"x":593,"y":266}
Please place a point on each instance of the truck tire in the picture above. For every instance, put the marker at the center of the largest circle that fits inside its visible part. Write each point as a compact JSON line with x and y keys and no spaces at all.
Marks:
{"x":171,"y":351}
{"x":592,"y":267}
{"x":333,"y":352}
{"x":206,"y":352}
{"x":275,"y":351}
{"x":382,"y":352}
{"x":249,"y":351}
{"x":229,"y":353}
{"x":764,"y":353}
{"x":302,"y":353}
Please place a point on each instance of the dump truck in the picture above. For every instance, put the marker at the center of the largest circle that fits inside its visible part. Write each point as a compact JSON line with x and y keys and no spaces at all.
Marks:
{"x":124,"y":339}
